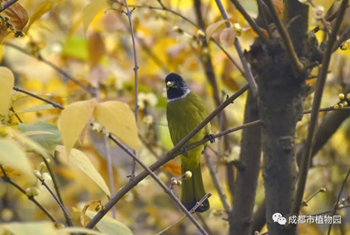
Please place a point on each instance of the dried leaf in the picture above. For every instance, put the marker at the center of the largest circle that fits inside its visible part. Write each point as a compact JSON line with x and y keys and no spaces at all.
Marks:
{"x":83,"y":211}
{"x":212,"y":28}
{"x":228,"y":37}
{"x":173,"y":168}
{"x":96,"y":48}
{"x":279,"y":6}
{"x":18,"y":16}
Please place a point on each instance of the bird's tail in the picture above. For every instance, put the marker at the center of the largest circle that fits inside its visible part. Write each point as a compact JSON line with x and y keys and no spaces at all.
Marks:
{"x":192,"y":190}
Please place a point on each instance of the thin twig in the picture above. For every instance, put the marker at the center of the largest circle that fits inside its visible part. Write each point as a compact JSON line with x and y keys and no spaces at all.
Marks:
{"x":110,"y":171}
{"x":251,"y":22}
{"x":184,"y":216}
{"x":217,"y":184}
{"x":338,"y":198}
{"x":55,"y":185}
{"x":312,"y":196}
{"x":247,"y":71}
{"x":70,"y":222}
{"x":7,"y":5}
{"x":305,"y":163}
{"x":325,"y":212}
{"x":39,"y":98}
{"x":228,"y":56}
{"x":31,"y":198}
{"x":155,"y":177}
{"x":19,"y":119}
{"x":296,"y":64}
{"x":261,"y":5}
{"x":136,"y":67}
{"x":59,"y":70}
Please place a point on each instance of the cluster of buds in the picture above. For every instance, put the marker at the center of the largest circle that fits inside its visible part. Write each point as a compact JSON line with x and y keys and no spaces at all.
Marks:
{"x":177,"y":181}
{"x":43,"y":176}
{"x":345,"y":45}
{"x":343,"y":101}
{"x":5,"y":21}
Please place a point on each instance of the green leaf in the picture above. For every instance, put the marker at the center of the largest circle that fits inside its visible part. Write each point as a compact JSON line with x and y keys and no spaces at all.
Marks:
{"x":79,"y":159}
{"x":37,"y":108}
{"x":12,"y":156}
{"x":76,"y":48}
{"x":47,"y":141}
{"x":30,"y":228}
{"x":109,"y":225}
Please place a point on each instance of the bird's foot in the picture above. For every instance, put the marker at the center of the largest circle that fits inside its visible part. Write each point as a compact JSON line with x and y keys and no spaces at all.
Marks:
{"x":211,"y":138}
{"x":184,"y":151}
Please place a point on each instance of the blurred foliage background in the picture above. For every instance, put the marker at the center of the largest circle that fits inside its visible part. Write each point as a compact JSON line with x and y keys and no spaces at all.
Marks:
{"x":101,"y":56}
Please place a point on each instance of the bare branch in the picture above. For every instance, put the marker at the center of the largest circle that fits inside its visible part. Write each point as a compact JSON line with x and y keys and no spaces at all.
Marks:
{"x":217,"y":184}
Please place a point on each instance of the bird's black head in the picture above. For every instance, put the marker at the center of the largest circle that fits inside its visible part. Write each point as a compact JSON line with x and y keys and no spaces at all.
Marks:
{"x":176,"y":87}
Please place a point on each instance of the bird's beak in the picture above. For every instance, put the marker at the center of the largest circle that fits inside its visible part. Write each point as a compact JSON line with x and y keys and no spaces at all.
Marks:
{"x":169,"y":84}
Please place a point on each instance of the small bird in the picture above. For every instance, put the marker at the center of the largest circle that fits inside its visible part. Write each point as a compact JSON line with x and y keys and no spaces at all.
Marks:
{"x":185,"y":110}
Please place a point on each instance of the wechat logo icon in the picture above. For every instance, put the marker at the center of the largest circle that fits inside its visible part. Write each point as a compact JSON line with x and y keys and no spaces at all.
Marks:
{"x":277,"y":217}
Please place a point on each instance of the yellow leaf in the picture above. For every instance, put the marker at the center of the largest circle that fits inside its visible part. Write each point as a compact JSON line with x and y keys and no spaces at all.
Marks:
{"x":109,"y":225}
{"x":212,"y":28}
{"x":119,"y":120}
{"x":30,"y":228}
{"x":227,"y":37}
{"x":18,"y":16}
{"x":41,"y":9}
{"x":79,"y":159}
{"x":73,"y":119}
{"x":13,"y":156}
{"x":7,"y":81}
{"x":91,"y":10}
